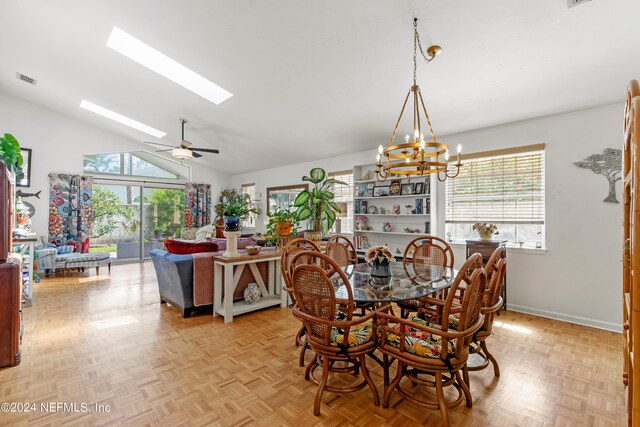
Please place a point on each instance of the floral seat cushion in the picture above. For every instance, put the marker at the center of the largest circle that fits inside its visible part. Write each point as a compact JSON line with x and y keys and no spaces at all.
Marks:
{"x":434,"y":322}
{"x":358,"y":334}
{"x":419,"y":342}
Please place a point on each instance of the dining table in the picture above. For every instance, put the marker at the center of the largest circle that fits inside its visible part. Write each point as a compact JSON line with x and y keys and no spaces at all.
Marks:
{"x":401,"y":285}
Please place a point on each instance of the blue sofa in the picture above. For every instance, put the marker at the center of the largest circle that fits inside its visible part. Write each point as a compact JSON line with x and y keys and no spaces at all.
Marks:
{"x":175,"y":279}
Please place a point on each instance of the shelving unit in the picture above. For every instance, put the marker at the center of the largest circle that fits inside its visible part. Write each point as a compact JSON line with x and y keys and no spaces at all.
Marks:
{"x":421,"y":218}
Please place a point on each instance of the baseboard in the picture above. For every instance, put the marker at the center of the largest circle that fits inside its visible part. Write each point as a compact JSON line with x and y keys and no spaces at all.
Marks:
{"x":598,"y":324}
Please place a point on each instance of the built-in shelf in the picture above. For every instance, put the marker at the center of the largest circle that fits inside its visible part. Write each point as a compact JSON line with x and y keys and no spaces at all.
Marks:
{"x":368,"y":214}
{"x":405,"y":196}
{"x":404,"y":233}
{"x":389,"y":179}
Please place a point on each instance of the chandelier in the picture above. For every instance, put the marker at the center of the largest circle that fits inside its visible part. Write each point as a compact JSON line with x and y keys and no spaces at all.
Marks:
{"x":417,"y":155}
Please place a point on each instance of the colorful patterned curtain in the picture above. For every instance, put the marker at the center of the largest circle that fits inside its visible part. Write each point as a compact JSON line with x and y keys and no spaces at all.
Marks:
{"x":197,"y":210}
{"x":70,"y":210}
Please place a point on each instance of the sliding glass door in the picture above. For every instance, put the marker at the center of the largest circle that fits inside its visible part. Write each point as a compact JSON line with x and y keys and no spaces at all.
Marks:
{"x":129,"y":220}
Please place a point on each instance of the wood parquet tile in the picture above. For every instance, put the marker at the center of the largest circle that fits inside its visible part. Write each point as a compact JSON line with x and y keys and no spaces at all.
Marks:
{"x":107,"y":340}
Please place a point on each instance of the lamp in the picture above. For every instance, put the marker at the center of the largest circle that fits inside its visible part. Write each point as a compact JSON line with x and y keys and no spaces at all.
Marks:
{"x":416,"y":156}
{"x":339,"y":216}
{"x":182,"y":153}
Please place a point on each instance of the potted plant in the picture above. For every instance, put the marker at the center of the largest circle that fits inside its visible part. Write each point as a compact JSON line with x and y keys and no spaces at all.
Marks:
{"x":282,"y":222}
{"x":234,"y":206}
{"x":485,"y":230}
{"x":10,"y":154}
{"x":317,"y":205}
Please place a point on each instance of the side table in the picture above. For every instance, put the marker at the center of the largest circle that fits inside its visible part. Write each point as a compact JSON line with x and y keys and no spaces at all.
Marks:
{"x":486,"y":248}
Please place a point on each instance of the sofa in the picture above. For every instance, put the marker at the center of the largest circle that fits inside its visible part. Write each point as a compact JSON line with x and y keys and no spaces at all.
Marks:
{"x":175,"y":279}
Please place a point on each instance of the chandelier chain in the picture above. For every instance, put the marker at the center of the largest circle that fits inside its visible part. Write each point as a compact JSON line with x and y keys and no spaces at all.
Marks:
{"x":417,"y":45}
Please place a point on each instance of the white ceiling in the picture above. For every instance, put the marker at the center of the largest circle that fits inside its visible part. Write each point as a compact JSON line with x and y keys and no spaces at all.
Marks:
{"x":316,"y":79}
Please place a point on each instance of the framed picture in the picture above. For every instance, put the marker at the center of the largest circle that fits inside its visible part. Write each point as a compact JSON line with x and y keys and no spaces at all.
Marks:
{"x":419,"y":188}
{"x":26,"y":168}
{"x":369,"y":193}
{"x":407,"y":188}
{"x":381,"y":191}
{"x":394,"y":189}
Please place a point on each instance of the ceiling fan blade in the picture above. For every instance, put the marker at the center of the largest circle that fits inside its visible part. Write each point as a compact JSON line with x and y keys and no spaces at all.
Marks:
{"x":196,"y":155}
{"x":157,"y":143}
{"x":162,"y":151}
{"x":206,"y":150}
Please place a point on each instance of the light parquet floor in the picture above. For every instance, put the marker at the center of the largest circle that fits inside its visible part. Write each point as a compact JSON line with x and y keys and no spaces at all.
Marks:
{"x":107,"y":340}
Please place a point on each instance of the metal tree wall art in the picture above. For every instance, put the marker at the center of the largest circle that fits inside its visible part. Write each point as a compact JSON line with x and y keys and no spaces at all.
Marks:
{"x":609,"y":164}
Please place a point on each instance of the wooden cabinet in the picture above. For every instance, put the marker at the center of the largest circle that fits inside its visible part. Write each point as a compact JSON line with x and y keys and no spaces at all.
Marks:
{"x":631,"y":253}
{"x":486,"y":248}
{"x":10,"y":278}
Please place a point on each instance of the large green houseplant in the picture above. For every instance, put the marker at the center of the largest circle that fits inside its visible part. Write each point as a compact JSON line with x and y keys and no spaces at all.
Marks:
{"x":10,"y":154}
{"x":316,"y":204}
{"x":233,"y":207}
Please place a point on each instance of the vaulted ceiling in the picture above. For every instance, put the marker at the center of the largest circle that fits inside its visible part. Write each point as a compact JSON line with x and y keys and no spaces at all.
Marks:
{"x":317,"y":79}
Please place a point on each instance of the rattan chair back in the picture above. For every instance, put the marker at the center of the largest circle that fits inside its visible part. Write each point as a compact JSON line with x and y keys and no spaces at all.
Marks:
{"x":294,"y":247}
{"x":422,"y":252}
{"x":315,"y":293}
{"x":342,"y":251}
{"x":496,"y":269}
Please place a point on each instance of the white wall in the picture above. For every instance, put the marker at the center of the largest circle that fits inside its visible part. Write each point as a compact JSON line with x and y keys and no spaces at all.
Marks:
{"x":59,"y":143}
{"x":578,"y":278}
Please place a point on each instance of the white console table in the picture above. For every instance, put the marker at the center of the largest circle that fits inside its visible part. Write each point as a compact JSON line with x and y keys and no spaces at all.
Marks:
{"x":272,"y":294}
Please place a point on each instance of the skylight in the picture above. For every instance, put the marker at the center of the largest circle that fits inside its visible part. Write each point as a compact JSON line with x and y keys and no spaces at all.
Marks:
{"x":104,"y":112}
{"x":144,"y":54}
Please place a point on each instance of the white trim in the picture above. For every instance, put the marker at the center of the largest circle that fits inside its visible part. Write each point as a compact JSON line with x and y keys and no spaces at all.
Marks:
{"x":579,"y":320}
{"x":510,"y":248}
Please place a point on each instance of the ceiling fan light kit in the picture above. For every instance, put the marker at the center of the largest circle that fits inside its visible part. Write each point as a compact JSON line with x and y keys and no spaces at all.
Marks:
{"x":182,"y":153}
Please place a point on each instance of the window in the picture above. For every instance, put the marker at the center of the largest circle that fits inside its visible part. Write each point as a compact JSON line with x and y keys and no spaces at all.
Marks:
{"x":504,"y":187}
{"x":137,"y":163}
{"x":344,"y":194}
{"x":250,"y":189}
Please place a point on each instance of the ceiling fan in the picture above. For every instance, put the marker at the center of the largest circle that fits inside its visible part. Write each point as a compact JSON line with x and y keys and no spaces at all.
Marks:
{"x":184,"y":151}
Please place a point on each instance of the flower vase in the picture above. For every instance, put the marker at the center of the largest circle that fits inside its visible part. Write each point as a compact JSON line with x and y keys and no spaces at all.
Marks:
{"x":485,"y":235}
{"x":380,"y":270}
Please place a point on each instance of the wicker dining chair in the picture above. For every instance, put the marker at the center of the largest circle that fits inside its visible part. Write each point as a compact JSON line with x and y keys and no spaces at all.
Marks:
{"x":496,"y":269}
{"x":343,"y":252}
{"x":331,"y":339}
{"x":436,"y":350}
{"x":294,"y":247}
{"x":418,"y":256}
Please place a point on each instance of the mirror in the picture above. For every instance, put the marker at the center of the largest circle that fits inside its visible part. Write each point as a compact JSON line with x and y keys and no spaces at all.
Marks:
{"x":283,"y":197}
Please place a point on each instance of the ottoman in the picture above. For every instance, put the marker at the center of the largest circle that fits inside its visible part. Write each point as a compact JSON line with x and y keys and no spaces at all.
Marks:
{"x":94,"y":259}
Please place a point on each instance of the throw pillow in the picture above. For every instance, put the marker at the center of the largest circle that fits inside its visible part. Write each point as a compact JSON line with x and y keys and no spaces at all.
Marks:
{"x":188,"y":233}
{"x":65,"y":249}
{"x":184,"y":248}
{"x":204,"y":232}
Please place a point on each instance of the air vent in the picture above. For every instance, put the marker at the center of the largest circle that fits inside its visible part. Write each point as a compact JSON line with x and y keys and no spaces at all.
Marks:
{"x":26,"y":79}
{"x":573,"y":3}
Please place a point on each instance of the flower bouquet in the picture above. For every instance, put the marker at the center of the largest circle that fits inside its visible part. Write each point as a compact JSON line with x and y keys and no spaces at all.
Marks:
{"x":379,"y":258}
{"x":485,"y":230}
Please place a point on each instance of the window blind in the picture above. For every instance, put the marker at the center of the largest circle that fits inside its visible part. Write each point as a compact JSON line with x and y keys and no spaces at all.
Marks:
{"x":250,"y":189}
{"x":344,"y":194}
{"x":507,"y":189}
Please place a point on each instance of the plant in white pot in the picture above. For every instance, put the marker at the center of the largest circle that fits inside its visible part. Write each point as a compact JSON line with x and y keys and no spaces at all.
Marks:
{"x":316,"y":204}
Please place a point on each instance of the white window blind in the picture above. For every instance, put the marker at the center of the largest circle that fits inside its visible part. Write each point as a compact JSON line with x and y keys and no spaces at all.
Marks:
{"x":507,"y":190}
{"x":344,"y":194}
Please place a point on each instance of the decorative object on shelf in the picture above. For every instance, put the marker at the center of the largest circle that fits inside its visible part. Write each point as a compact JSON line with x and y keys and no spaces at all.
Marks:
{"x":409,"y":230}
{"x":367,"y":176}
{"x":418,"y":156}
{"x":253,"y":249}
{"x":607,"y":164}
{"x":408,"y":207}
{"x":383,"y":211}
{"x":427,"y":227}
{"x":394,"y":188}
{"x":485,"y":230}
{"x":407,"y":189}
{"x":386,"y":227}
{"x":398,"y":251}
{"x":372,"y":210}
{"x":449,"y":239}
{"x":361,"y":223}
{"x":396,"y":209}
{"x":252,"y":293}
{"x":381,"y":191}
{"x":233,"y":207}
{"x":379,"y":257}
{"x":419,"y":188}
{"x":418,"y":207}
{"x":317,"y":204}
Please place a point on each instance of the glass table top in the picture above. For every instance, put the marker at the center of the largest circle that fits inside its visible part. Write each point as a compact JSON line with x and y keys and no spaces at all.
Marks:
{"x":400,"y":286}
